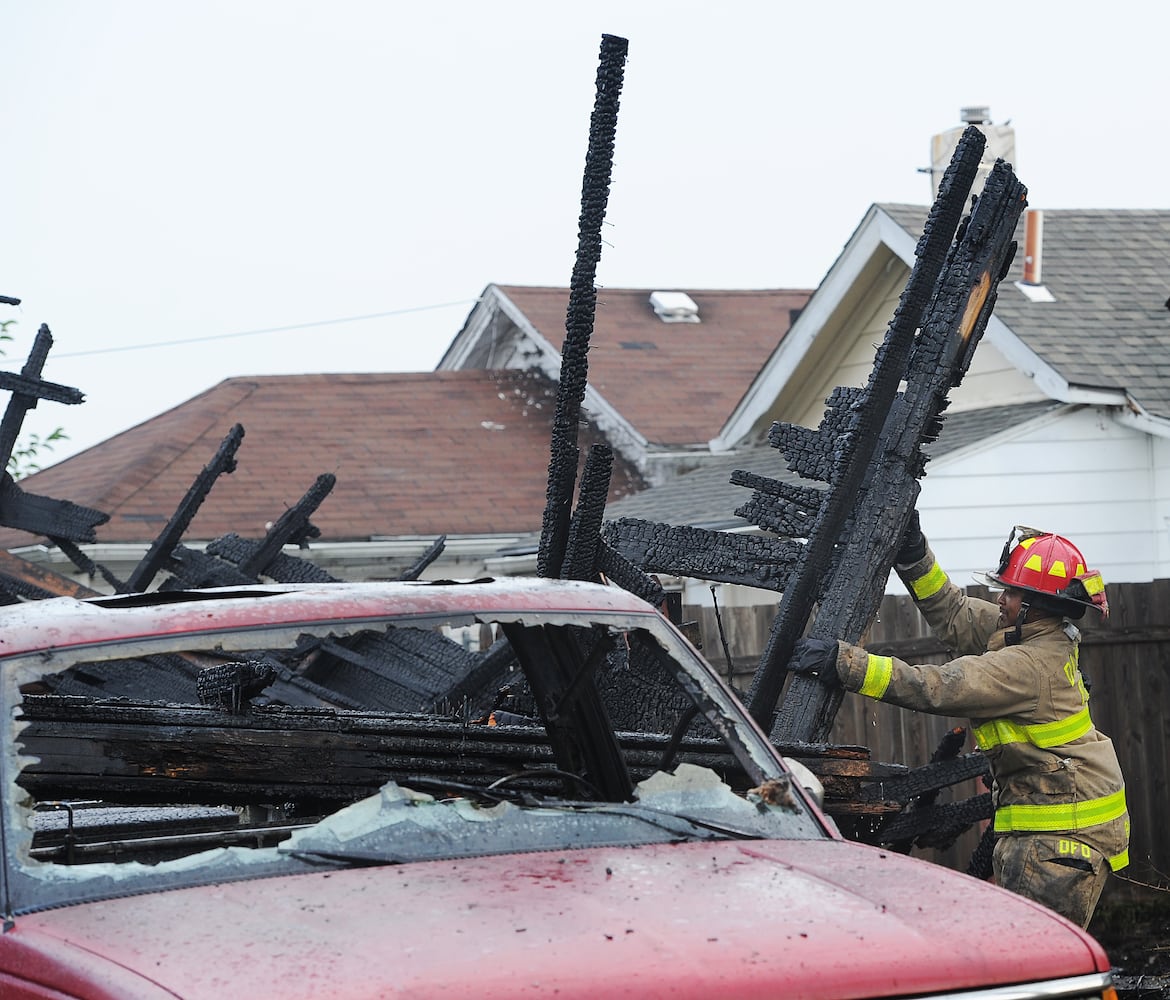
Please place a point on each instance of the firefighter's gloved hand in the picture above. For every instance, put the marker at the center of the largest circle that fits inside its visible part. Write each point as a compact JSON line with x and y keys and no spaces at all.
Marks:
{"x":815,"y":658}
{"x":913,"y":544}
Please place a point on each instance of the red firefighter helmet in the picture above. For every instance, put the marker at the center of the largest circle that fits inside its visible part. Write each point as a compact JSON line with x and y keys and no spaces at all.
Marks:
{"x":1051,"y":570}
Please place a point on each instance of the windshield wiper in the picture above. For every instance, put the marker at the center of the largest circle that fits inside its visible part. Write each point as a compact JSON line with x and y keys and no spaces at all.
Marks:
{"x":663,"y":818}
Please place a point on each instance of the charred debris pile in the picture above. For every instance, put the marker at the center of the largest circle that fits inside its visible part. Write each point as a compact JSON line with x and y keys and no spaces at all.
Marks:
{"x":824,"y":546}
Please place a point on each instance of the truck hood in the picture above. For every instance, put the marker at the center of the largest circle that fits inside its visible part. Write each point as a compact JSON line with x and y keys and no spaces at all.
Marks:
{"x":748,"y":918}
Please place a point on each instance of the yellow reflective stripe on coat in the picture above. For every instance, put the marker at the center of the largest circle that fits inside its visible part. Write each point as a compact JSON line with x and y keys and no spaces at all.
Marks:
{"x":997,"y":732}
{"x":929,"y":584}
{"x":1024,"y":818}
{"x":878,"y":671}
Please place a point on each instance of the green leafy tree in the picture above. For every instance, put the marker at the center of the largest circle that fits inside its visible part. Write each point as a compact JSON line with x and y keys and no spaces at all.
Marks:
{"x":31,"y":448}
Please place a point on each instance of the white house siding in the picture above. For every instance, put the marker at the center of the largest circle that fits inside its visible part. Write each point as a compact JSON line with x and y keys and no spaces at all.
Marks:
{"x":990,"y":381}
{"x":863,"y":332}
{"x":1159,"y":448}
{"x":1076,"y":472}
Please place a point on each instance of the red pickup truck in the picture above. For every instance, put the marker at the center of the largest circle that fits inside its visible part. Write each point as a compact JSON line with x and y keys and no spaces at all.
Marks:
{"x":304,"y":791}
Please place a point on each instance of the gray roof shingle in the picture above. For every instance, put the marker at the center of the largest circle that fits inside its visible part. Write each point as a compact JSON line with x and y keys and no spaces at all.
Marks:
{"x":705,"y":497}
{"x":1109,"y":271}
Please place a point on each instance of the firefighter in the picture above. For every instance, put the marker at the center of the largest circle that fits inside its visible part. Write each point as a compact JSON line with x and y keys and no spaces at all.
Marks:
{"x":1060,"y":817}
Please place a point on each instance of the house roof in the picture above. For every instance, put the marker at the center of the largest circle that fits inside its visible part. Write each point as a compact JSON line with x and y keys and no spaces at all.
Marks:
{"x":1109,"y":273}
{"x":420,"y":454}
{"x":705,"y":496}
{"x":674,"y":383}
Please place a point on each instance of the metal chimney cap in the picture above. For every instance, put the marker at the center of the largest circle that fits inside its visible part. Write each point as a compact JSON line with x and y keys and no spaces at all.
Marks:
{"x":976,"y":114}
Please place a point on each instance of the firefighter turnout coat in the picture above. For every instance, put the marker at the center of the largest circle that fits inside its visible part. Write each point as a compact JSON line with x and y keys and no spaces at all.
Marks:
{"x":1029,"y":710}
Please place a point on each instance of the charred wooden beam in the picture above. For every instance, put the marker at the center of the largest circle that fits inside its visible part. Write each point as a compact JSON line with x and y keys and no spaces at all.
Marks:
{"x":231,"y":560}
{"x":563,"y":453}
{"x":785,"y":509}
{"x":132,"y":752}
{"x":580,"y":560}
{"x":680,"y":550}
{"x":193,"y":569}
{"x":27,"y":389}
{"x":26,"y":511}
{"x":87,"y":565}
{"x":939,"y":825}
{"x":618,"y":569}
{"x":851,"y":429}
{"x":293,"y":527}
{"x":406,"y":670}
{"x":921,"y":781}
{"x":283,"y":568}
{"x":31,"y":582}
{"x":860,"y":561}
{"x":415,"y":570}
{"x":47,"y":516}
{"x":222,"y":463}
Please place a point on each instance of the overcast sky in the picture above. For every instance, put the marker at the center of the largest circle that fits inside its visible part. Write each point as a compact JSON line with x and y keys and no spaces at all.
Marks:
{"x":196,"y":172}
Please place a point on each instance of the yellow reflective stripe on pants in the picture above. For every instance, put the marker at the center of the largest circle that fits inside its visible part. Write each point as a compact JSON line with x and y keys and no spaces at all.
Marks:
{"x":929,"y":583}
{"x":1119,"y":861}
{"x":878,"y":671}
{"x":1022,"y":818}
{"x":1043,"y":734}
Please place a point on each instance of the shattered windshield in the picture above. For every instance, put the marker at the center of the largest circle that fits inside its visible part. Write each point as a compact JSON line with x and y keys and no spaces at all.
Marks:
{"x":173,"y":760}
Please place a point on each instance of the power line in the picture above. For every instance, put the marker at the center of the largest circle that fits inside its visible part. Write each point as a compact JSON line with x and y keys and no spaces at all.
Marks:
{"x":272,"y":329}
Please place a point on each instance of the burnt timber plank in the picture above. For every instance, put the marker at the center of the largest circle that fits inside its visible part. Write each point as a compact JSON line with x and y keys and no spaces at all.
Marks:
{"x":856,"y":434}
{"x":222,"y":462}
{"x":27,"y":389}
{"x":31,"y":581}
{"x":851,"y":592}
{"x":123,"y":751}
{"x":26,"y":511}
{"x":750,"y":560}
{"x":47,"y":516}
{"x":563,"y":452}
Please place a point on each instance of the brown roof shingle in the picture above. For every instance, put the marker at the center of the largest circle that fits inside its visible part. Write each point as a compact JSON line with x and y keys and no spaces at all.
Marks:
{"x":676,"y":383}
{"x":450,"y":452}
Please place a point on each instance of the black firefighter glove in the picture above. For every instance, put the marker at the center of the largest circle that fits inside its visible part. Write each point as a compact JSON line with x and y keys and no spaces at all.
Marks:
{"x":913,"y":544}
{"x":815,"y":658}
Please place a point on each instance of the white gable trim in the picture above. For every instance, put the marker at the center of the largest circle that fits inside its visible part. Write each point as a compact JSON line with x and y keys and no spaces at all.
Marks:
{"x":1046,"y":378}
{"x":1133,"y":416}
{"x":546,"y":358}
{"x":1014,"y":350}
{"x":876,"y":230}
{"x":995,"y":441}
{"x":879,"y":230}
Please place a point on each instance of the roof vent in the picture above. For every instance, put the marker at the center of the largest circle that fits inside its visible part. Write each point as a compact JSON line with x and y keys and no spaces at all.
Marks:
{"x":674,"y":307}
{"x":1033,"y":286}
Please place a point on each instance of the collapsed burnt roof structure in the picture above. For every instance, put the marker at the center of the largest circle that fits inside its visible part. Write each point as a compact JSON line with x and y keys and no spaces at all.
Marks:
{"x":824,"y":545}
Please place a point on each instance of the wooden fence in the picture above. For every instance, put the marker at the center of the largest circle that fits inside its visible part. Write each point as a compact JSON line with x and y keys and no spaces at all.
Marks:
{"x":1125,"y":660}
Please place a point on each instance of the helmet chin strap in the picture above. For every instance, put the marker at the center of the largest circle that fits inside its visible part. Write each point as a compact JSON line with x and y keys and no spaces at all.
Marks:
{"x":1016,"y":636}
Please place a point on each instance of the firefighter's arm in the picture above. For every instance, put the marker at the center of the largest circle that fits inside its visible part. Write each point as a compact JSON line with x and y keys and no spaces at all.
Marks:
{"x":963,"y":623}
{"x":990,"y":685}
